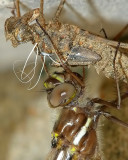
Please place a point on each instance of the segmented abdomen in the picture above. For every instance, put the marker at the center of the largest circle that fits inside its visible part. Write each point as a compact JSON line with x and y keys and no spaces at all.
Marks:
{"x":73,"y":136}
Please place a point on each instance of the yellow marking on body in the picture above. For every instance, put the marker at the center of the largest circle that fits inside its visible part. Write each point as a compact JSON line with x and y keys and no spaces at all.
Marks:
{"x":59,"y":144}
{"x":70,"y":99}
{"x":59,"y":78}
{"x":56,"y":135}
{"x":45,"y":85}
{"x":75,"y":157}
{"x":73,"y":152}
{"x":75,"y":109}
{"x":59,"y":140}
{"x":73,"y":149}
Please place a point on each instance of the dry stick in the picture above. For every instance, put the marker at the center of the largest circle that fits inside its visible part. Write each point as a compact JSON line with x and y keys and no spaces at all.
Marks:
{"x":116,"y":78}
{"x":61,"y":57}
{"x":18,"y":8}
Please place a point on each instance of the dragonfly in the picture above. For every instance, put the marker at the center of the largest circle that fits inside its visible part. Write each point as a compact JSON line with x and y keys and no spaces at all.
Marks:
{"x":75,"y":132}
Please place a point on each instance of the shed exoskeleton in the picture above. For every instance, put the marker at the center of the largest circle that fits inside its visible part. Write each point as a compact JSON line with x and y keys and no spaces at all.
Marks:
{"x":71,"y":45}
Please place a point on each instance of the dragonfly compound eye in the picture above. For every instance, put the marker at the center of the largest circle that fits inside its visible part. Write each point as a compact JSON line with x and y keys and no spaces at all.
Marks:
{"x":62,"y":95}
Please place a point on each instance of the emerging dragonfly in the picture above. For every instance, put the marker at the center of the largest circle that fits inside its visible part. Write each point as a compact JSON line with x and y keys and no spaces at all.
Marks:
{"x":74,"y":135}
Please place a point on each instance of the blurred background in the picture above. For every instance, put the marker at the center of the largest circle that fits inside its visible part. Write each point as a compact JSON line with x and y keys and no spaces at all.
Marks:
{"x":25,"y":119}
